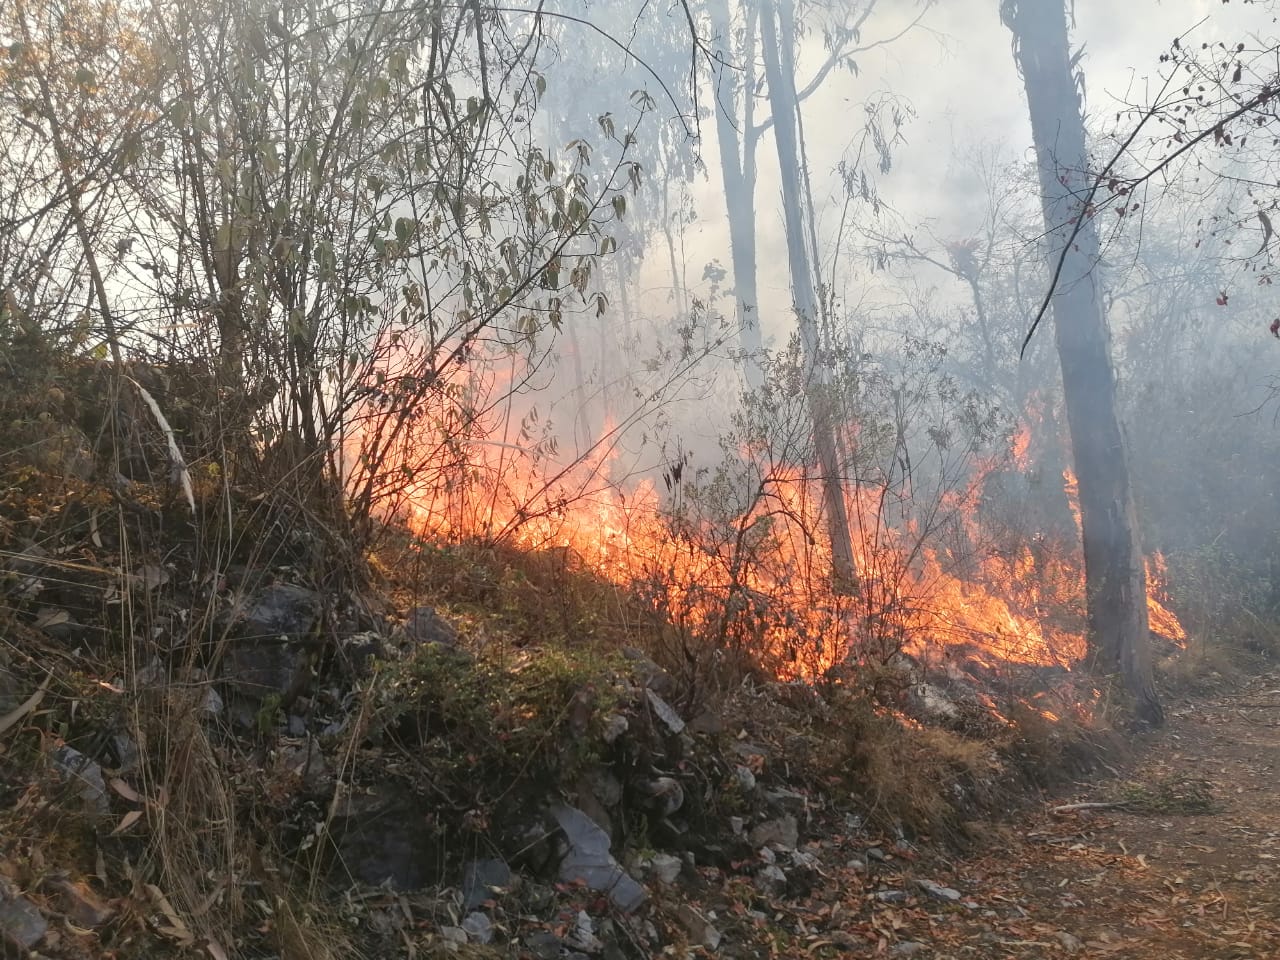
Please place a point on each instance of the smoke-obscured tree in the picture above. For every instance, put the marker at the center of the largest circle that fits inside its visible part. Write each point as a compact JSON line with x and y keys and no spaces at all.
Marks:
{"x":1114,"y":570}
{"x":644,"y":50}
{"x":743,"y":117}
{"x":777,"y":34}
{"x":973,"y":290}
{"x":761,"y":40}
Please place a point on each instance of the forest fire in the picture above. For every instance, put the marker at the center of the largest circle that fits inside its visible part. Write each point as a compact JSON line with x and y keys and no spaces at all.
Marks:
{"x":758,"y":579}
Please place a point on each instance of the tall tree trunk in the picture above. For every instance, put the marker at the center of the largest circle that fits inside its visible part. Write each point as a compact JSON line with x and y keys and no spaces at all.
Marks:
{"x":674,"y":262}
{"x":736,"y":139}
{"x":1115,"y":578}
{"x":785,"y":109}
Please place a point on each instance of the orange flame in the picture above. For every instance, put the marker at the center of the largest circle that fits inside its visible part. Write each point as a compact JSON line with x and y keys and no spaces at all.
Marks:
{"x":1162,"y":620}
{"x":759,"y":581}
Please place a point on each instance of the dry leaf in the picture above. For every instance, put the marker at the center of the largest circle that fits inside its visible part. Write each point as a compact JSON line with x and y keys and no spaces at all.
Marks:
{"x":176,"y":929}
{"x":51,"y":617}
{"x":21,"y":710}
{"x":126,"y":791}
{"x":127,"y":821}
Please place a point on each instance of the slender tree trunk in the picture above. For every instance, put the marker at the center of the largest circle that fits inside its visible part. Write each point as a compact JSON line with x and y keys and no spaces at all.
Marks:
{"x":1115,"y":577}
{"x":673,"y":261}
{"x":785,"y":109}
{"x":736,"y":138}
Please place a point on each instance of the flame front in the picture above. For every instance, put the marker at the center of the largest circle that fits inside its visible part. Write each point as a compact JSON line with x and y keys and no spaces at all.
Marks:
{"x":760,"y":581}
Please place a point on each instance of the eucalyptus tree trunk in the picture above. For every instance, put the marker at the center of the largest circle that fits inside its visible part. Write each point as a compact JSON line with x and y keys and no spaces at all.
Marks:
{"x":1115,"y":577}
{"x":800,"y":259}
{"x":736,"y":137}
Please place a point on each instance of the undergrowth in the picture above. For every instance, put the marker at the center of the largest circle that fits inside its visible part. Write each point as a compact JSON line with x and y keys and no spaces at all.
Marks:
{"x":114,"y":595}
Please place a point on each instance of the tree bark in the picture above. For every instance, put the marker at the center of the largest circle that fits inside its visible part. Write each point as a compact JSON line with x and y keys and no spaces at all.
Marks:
{"x":1115,"y":577}
{"x":736,"y":139}
{"x":785,"y":109}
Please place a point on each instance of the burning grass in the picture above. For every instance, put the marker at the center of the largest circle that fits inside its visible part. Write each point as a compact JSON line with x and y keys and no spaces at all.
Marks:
{"x":741,"y":562}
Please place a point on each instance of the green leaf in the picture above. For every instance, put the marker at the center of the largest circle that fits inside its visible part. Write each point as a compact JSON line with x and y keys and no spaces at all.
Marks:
{"x":404,"y":229}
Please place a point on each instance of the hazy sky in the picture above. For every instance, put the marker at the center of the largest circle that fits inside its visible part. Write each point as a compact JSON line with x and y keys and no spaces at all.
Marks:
{"x":957,"y":72}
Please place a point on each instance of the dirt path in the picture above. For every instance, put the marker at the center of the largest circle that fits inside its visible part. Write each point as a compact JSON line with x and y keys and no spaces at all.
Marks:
{"x":1172,"y":877}
{"x":1187,"y":869}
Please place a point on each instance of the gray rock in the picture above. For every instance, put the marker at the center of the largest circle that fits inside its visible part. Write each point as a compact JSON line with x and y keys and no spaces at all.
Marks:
{"x":747,"y":749}
{"x":478,"y":927}
{"x":281,"y":610}
{"x":787,"y":801}
{"x":256,"y":669}
{"x":482,"y":880}
{"x":876,"y":855}
{"x":382,"y":837}
{"x":615,"y":725}
{"x":666,"y":867}
{"x":543,"y":945}
{"x":745,"y":778}
{"x":782,"y":832}
{"x":937,"y":891}
{"x":701,"y":930}
{"x":454,"y":935}
{"x":737,"y":825}
{"x":908,"y":948}
{"x":648,"y":673}
{"x":892,"y":896}
{"x":84,"y":776}
{"x":587,"y":860}
{"x":584,"y":934}
{"x":771,"y":881}
{"x":425,"y":626}
{"x":213,"y":704}
{"x":22,"y":926}
{"x":126,"y":751}
{"x":665,"y":712}
{"x":262,"y":658}
{"x":929,"y":702}
{"x":1070,"y":944}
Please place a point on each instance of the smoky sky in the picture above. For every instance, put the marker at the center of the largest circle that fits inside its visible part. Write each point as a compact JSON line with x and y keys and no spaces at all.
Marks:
{"x":955,"y":73}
